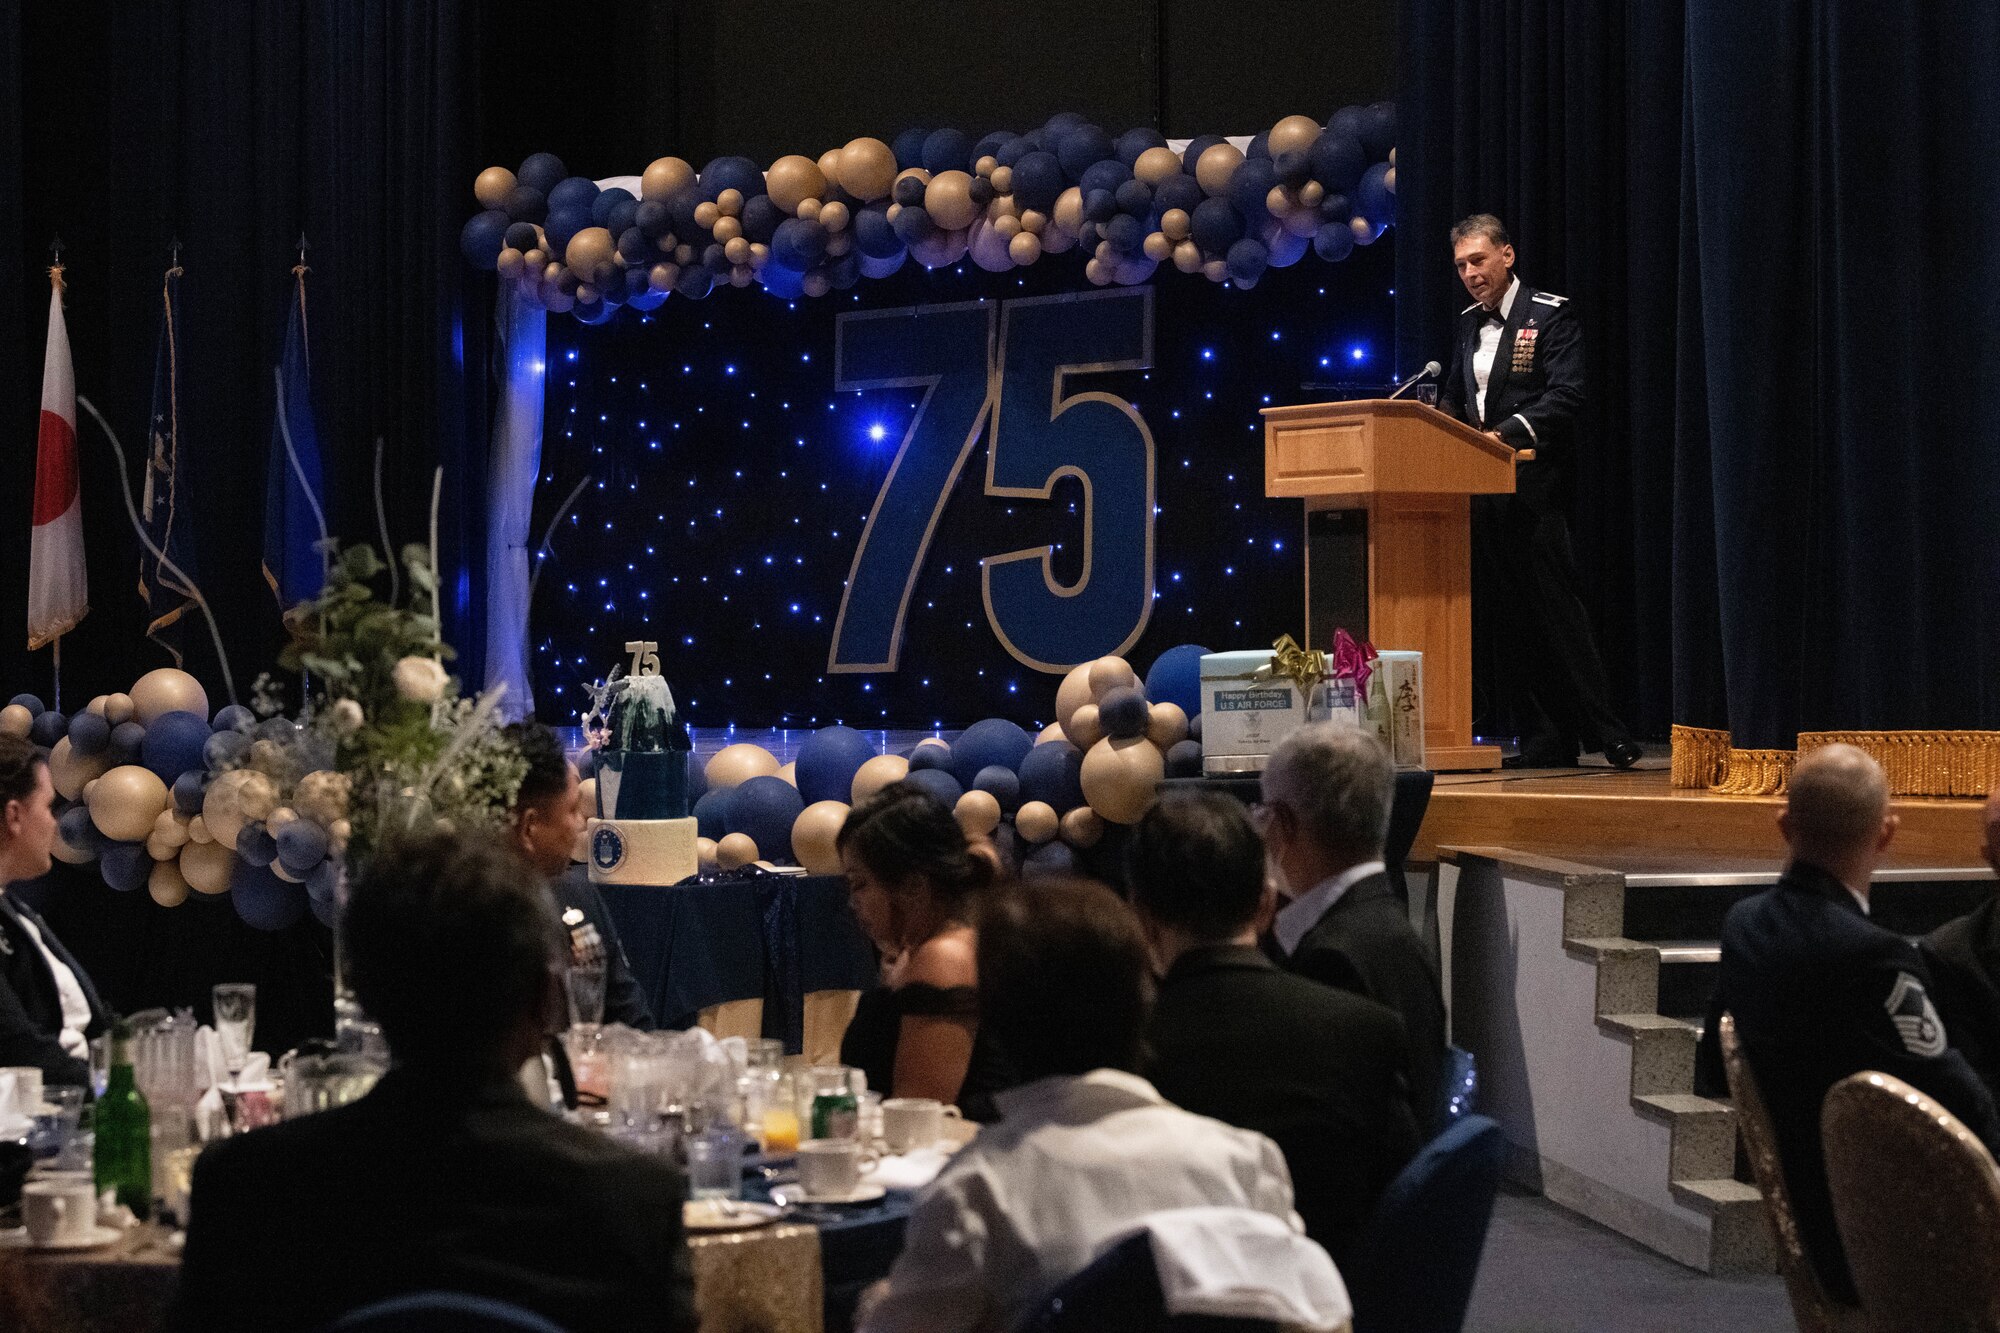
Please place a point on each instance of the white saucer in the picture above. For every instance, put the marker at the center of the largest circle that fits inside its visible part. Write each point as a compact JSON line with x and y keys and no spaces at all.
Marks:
{"x":17,"y":1239}
{"x":738,"y":1215}
{"x":865,"y":1192}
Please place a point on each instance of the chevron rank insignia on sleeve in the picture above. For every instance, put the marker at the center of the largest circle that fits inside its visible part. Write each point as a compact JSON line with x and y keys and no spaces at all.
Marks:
{"x":1917,"y":1023}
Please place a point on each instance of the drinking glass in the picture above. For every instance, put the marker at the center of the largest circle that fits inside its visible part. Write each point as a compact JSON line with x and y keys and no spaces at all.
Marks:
{"x":715,"y":1165}
{"x":56,"y":1125}
{"x":100,"y":1064}
{"x":235,"y":1022}
{"x":586,"y":995}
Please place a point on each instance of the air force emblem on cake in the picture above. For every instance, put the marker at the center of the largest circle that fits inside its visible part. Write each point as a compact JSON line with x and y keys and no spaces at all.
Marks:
{"x":607,"y":848}
{"x":1916,"y":1021}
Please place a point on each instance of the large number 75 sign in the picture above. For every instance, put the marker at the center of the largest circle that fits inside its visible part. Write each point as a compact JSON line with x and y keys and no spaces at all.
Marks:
{"x":1039,"y":436}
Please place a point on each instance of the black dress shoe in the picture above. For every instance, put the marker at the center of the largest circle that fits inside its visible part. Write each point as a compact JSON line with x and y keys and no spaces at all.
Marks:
{"x":1622,"y":754}
{"x":1539,"y":756}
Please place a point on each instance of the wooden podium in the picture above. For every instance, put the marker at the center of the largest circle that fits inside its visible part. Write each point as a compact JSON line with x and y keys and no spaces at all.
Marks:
{"x":1387,"y":487}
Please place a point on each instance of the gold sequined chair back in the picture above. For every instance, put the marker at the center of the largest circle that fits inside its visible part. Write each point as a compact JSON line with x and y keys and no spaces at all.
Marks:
{"x":1812,"y":1308}
{"x":1917,"y":1197}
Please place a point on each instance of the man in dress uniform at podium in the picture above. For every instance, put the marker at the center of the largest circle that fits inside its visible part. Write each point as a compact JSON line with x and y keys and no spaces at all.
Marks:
{"x":1517,"y":374}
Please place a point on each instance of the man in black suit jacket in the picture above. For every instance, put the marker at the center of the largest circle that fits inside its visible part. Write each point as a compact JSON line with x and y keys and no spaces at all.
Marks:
{"x":1964,"y":958}
{"x":1320,"y":1072}
{"x":1819,"y":992}
{"x":1327,"y":790}
{"x":445,"y":1177}
{"x":1517,"y":374}
{"x":49,"y":1009}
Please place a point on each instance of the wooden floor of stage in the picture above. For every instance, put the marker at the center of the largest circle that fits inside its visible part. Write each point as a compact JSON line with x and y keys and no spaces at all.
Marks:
{"x":1635,"y":820}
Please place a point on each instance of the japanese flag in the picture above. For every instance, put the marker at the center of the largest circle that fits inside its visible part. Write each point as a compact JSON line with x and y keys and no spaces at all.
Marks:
{"x":58,"y":596}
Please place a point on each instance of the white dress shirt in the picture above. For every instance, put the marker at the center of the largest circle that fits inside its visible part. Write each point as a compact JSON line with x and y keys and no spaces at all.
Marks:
{"x":1302,"y":913}
{"x":75,"y":1005}
{"x":1489,"y":347}
{"x":1074,"y":1165}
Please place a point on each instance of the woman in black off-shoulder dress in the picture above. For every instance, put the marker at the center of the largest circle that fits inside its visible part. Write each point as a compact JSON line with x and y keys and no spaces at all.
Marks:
{"x":912,"y":881}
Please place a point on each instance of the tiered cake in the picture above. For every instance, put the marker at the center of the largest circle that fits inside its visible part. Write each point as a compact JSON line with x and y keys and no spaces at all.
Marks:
{"x":642,"y":833}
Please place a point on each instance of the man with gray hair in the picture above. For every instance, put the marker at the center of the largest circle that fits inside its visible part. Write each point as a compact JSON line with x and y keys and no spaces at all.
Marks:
{"x":1324,"y":817}
{"x":1818,"y":991}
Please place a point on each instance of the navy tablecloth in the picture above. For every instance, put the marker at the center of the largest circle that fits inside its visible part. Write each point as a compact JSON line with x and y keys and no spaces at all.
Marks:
{"x":858,"y":1243}
{"x":735,"y":937}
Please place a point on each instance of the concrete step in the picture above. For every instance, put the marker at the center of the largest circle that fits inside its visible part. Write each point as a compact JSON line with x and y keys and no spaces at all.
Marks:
{"x":1704,"y":1134}
{"x":1740,"y":1239}
{"x":1662,"y":1051}
{"x":1628,"y":972}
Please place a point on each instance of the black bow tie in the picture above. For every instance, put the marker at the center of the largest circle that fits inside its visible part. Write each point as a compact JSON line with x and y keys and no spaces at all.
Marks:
{"x":1488,"y":316}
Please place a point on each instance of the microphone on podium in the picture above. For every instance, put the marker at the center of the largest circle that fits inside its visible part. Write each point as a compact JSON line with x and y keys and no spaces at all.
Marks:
{"x":1430,"y":369}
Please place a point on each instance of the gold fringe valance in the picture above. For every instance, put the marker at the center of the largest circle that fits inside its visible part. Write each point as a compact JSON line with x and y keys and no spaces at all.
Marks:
{"x":1917,"y":763}
{"x":1700,"y":757}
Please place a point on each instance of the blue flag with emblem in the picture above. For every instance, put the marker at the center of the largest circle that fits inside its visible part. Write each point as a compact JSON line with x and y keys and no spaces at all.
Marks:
{"x":167,"y":520}
{"x":294,"y":482}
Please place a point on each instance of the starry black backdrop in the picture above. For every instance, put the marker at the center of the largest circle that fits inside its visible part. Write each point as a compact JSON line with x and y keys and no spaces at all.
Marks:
{"x":730,"y":483}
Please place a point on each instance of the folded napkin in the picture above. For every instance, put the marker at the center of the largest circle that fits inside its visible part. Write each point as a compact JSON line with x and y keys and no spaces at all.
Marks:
{"x":1244,"y":1264}
{"x":909,"y":1171}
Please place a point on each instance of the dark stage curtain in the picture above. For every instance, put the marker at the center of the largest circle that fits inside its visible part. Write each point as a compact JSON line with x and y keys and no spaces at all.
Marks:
{"x":1772,"y":219}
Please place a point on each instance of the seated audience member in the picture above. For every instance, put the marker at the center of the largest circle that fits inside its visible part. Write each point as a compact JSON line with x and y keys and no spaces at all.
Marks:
{"x":1327,"y":790}
{"x":1084,"y":1150}
{"x":48,"y":1009}
{"x":1321,"y":1072}
{"x":1964,"y":958}
{"x":912,"y":881}
{"x":444,"y":1177}
{"x":1820,"y":992}
{"x":548,"y":818}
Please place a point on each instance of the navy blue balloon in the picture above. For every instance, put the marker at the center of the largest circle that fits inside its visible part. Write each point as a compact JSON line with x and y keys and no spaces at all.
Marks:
{"x":89,"y":733}
{"x":482,"y":236}
{"x":523,"y":236}
{"x":909,"y":148}
{"x":1194,"y":726}
{"x":1247,"y":259}
{"x":913,"y":225}
{"x":1333,"y":242}
{"x":765,"y":809}
{"x":711,"y":813}
{"x":573,"y":192}
{"x":1082,"y":147}
{"x":48,"y":727}
{"x":562,"y":227}
{"x":1052,"y":772}
{"x":695,"y":282}
{"x":1100,"y":206}
{"x":79,"y":832}
{"x":697,"y":776}
{"x":782,"y":282}
{"x":1135,"y":197}
{"x":1134,"y":142}
{"x":321,"y":882}
{"x":1247,"y":188}
{"x":992,"y":741}
{"x":1123,"y":712}
{"x":622,"y":216}
{"x":323,"y":909}
{"x":1054,"y":858}
{"x":680,"y":207}
{"x":945,"y":150}
{"x":1373,"y":198}
{"x":224,"y":748}
{"x":264,"y":901}
{"x":981,"y":192}
{"x":908,"y":191}
{"x":1336,"y":208}
{"x":599,"y":311}
{"x":1184,"y":759}
{"x":731,"y":173}
{"x":655,"y":220}
{"x":125,"y":866}
{"x":1125,"y":232}
{"x":844,"y":272}
{"x":1038,"y":179}
{"x":541,"y":171}
{"x":1010,"y":153}
{"x":524,"y":203}
{"x":127,"y":738}
{"x":634,"y":248}
{"x":174,"y":744}
{"x":256,"y":845}
{"x":1215,"y":225}
{"x":30,"y":702}
{"x":234,"y":717}
{"x":1378,"y":129}
{"x":606,"y":204}
{"x":1198,"y":145}
{"x":1106,"y":175}
{"x":760,"y":219}
{"x":990,"y":145}
{"x":940,"y":785}
{"x":189,"y":790}
{"x":1179,"y":190}
{"x":1337,"y":161}
{"x":586,"y":765}
{"x":798,"y":244}
{"x":715,"y":259}
{"x":931,"y":756}
{"x":1346,"y":121}
{"x":302,"y":844}
{"x":1292,"y":167}
{"x":1175,"y":677}
{"x":1259,"y":146}
{"x":1000,"y":783}
{"x":828,"y":761}
{"x":1061,"y":123}
{"x":636,"y":285}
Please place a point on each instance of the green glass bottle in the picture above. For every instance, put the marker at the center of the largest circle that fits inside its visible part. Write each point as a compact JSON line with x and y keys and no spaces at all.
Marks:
{"x":124,"y":1129}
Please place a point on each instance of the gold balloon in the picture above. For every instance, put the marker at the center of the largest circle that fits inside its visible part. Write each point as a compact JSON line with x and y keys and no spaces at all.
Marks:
{"x":867,"y":168}
{"x":511,"y":263}
{"x":1312,"y":194}
{"x":665,"y":177}
{"x":1215,"y":270}
{"x":491,"y":187}
{"x":241,"y":797}
{"x":814,"y":833}
{"x":1279,"y":201}
{"x":1175,"y":223}
{"x":790,"y":774}
{"x":118,"y":708}
{"x":1034,"y":220}
{"x":948,"y":199}
{"x":1025,"y":248}
{"x":1292,"y":134}
{"x":808,"y":210}
{"x":1121,"y":777}
{"x":1007,"y":227}
{"x":1111,"y":673}
{"x":97,"y":705}
{"x":728,"y":229}
{"x":1389,"y":180}
{"x":834,"y":216}
{"x":1036,"y":821}
{"x":1085,"y":729}
{"x":1302,"y":221}
{"x":1157,"y":246}
{"x":734,"y":765}
{"x":793,"y":179}
{"x":125,"y":802}
{"x":167,"y":885}
{"x":1167,"y":725}
{"x":829,"y":165}
{"x":1082,"y":827}
{"x":704,"y":852}
{"x":207,"y":866}
{"x":589,"y":248}
{"x":735,"y":850}
{"x":1187,"y":256}
{"x":1069,"y":209}
{"x":729,"y":203}
{"x":662,"y":277}
{"x":876,"y":774}
{"x":705,"y":214}
{"x":16,"y":720}
{"x":684,"y":255}
{"x":198,"y":830}
{"x":759,"y":252}
{"x":586,"y":292}
{"x":168,"y":831}
{"x":1052,"y":732}
{"x":736,"y":250}
{"x":323,"y":796}
{"x":1003,"y":180}
{"x":816,"y":284}
{"x":1072,"y":694}
{"x":978,"y":813}
{"x":1097,"y":271}
{"x":986,"y":166}
{"x":159,"y":692}
{"x":1156,"y":164}
{"x":1215,"y":166}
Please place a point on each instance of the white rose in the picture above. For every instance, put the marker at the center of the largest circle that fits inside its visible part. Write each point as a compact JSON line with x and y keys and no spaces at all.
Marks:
{"x":420,"y":679}
{"x":347,"y":716}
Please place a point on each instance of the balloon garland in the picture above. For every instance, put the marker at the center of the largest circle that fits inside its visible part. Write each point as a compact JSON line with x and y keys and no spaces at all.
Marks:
{"x":804,"y":226}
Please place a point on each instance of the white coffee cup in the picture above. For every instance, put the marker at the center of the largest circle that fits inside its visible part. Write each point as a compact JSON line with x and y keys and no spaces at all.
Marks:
{"x":832,"y":1168}
{"x":59,"y":1209}
{"x":913,"y":1122}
